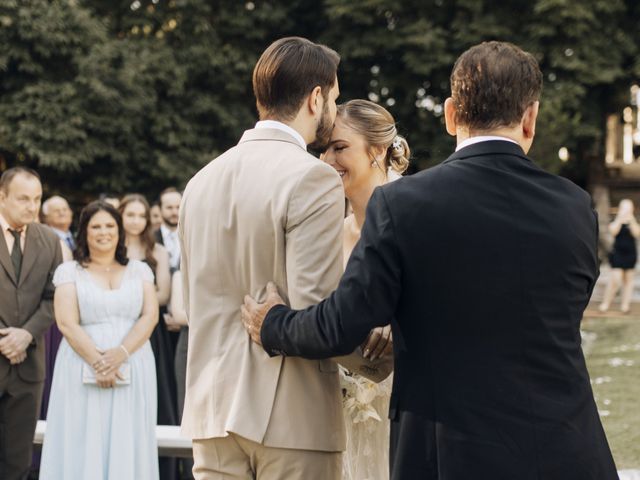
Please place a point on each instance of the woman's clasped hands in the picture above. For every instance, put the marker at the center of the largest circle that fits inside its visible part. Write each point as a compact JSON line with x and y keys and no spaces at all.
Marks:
{"x":107,"y":366}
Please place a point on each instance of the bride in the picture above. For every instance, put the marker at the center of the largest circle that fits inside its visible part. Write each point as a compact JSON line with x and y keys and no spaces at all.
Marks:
{"x":367,"y":152}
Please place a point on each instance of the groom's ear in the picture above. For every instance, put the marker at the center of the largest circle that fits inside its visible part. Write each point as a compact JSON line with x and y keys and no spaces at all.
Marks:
{"x":529,"y":120}
{"x":314,"y":101}
{"x":450,"y":117}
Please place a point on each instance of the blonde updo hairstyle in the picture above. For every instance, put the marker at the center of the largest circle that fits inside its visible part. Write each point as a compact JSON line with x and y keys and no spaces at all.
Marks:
{"x":378,"y":128}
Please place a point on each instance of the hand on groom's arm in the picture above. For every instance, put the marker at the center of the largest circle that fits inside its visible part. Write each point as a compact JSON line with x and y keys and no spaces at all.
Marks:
{"x":378,"y":343}
{"x":254,"y":313}
{"x":366,"y":298}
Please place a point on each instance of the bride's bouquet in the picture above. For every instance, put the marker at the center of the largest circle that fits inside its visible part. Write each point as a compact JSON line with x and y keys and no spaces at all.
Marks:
{"x":358,"y":395}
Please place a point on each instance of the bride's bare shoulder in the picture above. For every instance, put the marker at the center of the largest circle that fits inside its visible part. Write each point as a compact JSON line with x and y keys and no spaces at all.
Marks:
{"x":351,"y":234}
{"x":350,"y":227}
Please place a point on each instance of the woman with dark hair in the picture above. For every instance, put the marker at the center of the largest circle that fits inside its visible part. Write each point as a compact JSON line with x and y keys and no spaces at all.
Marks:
{"x":623,"y":258}
{"x":102,"y":410}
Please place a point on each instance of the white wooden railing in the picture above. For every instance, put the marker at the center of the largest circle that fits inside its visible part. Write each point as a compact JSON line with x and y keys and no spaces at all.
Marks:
{"x":170,"y":442}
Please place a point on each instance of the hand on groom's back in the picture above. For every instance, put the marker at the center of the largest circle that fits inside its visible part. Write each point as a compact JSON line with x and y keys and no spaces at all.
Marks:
{"x":254,"y":313}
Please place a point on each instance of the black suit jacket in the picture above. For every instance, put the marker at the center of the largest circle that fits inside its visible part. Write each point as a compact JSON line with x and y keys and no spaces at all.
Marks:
{"x":485,"y":265}
{"x":28,"y":302}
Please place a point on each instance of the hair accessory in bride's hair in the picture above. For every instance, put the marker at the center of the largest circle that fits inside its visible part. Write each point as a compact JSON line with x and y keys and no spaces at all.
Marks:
{"x":397,"y":144}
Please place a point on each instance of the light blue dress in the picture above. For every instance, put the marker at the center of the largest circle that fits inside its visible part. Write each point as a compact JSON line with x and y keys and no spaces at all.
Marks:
{"x":102,"y":433}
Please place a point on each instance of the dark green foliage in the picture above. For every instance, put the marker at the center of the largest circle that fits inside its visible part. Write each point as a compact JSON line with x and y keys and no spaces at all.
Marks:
{"x":108,"y":95}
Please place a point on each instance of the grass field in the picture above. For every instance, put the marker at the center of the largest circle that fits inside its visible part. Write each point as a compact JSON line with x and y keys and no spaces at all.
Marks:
{"x":612,"y":347}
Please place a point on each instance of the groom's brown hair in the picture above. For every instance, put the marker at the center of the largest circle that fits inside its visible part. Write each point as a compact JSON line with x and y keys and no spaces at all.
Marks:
{"x":492,"y":84}
{"x":288,"y":71}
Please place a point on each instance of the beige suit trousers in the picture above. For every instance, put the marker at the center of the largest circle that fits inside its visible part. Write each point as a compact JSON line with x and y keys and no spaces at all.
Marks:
{"x":236,"y":458}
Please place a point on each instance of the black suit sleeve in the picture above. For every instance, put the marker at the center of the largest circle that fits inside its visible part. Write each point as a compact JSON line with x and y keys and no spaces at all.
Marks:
{"x":366,"y":297}
{"x":595,"y":257}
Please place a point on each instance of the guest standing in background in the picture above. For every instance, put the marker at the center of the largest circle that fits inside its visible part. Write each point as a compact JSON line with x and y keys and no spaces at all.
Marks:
{"x":101,"y":418}
{"x":623,"y":257}
{"x":141,"y":244}
{"x":110,"y":198}
{"x":156,"y":217}
{"x":58,"y":215}
{"x":29,"y":255}
{"x":167,"y":235}
{"x":176,"y":308}
{"x":166,"y":335}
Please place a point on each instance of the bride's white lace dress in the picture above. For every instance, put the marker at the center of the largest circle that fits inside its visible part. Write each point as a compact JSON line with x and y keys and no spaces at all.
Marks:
{"x":366,"y":412}
{"x":366,"y":407}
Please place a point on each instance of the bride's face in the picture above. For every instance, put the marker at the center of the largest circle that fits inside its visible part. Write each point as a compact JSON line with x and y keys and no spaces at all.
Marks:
{"x":348,"y":153}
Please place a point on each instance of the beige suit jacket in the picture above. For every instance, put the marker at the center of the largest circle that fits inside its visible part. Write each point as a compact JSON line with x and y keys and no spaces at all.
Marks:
{"x":264,"y":210}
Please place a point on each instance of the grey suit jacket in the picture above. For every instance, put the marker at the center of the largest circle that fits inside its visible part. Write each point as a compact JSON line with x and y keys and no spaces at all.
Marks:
{"x":264,"y":210}
{"x":28,"y":303}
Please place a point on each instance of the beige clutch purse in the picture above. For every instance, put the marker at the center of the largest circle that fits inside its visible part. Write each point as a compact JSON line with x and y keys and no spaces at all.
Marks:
{"x":376,"y":370}
{"x":89,"y":375}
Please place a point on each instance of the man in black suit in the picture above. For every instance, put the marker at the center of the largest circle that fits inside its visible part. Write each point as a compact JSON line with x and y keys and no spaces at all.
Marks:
{"x":167,"y":234}
{"x":484,"y":265}
{"x":165,"y":339}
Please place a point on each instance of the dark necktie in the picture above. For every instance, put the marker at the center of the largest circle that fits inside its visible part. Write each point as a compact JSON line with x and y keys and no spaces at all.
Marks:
{"x":16,"y":253}
{"x":69,"y":241}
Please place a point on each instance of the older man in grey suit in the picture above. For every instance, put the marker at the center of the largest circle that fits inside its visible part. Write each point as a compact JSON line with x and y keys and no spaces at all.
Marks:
{"x":265,"y":208}
{"x":29,"y":255}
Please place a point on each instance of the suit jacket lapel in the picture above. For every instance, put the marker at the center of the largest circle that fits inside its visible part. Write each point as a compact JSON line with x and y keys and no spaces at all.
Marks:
{"x":32,"y":246}
{"x":5,"y":260}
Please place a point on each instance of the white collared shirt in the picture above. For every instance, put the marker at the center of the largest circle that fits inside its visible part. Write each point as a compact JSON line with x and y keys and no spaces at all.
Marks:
{"x":66,"y":237}
{"x":283,"y":127}
{"x":483,"y":138}
{"x":8,"y":236}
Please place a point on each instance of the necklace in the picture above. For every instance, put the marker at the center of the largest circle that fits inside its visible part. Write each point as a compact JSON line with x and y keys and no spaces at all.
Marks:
{"x":104,"y":268}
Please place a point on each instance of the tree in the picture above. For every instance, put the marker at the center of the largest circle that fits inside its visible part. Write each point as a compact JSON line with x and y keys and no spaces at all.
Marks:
{"x":404,"y":55}
{"x":137,"y":95}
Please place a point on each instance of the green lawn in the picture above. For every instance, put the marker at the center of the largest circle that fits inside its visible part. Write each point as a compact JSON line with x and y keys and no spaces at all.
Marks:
{"x":612,"y":347}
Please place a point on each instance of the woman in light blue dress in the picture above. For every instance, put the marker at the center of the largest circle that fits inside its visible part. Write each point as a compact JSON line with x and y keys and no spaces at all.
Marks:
{"x":102,"y":411}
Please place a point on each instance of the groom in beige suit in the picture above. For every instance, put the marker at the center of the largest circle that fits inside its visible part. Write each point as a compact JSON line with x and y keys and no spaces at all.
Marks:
{"x":265,"y":210}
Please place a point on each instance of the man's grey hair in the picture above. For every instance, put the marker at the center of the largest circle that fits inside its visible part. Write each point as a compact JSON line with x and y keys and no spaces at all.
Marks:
{"x":47,"y":202}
